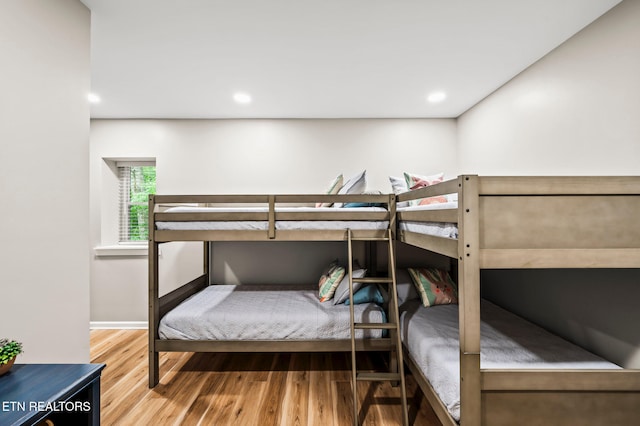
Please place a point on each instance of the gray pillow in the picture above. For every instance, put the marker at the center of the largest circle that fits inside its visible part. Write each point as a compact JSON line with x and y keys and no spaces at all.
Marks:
{"x":342,"y":292}
{"x":406,"y":289}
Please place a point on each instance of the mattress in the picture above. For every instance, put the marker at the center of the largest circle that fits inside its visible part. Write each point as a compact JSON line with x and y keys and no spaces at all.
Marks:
{"x":432,"y":338}
{"x":263,"y":225}
{"x":264,"y":312}
{"x":436,"y":229}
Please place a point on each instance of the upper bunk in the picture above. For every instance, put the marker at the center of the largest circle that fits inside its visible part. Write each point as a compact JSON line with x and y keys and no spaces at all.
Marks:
{"x":528,"y":222}
{"x":285,"y":217}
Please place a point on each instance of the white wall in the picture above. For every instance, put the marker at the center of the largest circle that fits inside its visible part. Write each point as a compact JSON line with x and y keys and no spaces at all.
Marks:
{"x":44,"y":145}
{"x":575,"y":112}
{"x":245,"y":156}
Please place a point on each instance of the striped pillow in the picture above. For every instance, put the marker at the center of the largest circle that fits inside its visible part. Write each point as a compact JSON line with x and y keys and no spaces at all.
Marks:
{"x":435,"y":286}
{"x":334,"y":187}
{"x":330,"y":280}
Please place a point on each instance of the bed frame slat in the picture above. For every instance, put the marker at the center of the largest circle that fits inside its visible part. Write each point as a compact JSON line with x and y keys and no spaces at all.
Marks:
{"x":174,"y":298}
{"x":559,"y":258}
{"x":559,"y":185}
{"x":444,"y":246}
{"x":444,"y":216}
{"x":443,"y":188}
{"x":171,"y":345}
{"x":561,"y":380}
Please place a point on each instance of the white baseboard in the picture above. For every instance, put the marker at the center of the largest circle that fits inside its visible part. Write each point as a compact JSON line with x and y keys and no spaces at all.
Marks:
{"x":124,"y":325}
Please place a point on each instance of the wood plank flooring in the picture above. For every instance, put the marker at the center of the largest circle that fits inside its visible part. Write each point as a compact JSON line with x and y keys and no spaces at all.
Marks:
{"x":242,"y":389}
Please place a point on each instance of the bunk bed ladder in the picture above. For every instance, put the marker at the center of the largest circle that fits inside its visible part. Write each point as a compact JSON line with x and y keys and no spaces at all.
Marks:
{"x":396,"y":364}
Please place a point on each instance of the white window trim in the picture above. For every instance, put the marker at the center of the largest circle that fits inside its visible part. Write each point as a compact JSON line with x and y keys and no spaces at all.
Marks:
{"x":110,"y":248}
{"x":129,"y":250}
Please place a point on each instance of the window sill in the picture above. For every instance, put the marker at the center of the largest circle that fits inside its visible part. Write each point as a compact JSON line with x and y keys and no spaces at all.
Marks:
{"x":122,"y":250}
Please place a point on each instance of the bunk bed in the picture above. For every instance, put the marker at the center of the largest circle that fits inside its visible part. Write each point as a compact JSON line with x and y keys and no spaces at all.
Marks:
{"x":520,"y":222}
{"x":174,"y":317}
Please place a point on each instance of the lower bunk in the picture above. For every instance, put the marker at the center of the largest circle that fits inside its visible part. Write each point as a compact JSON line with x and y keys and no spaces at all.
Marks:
{"x":265,"y":312}
{"x":260,"y":318}
{"x":527,"y":375}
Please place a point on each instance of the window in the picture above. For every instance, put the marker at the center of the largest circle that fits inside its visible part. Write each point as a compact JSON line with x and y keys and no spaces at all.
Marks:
{"x":137,"y":180}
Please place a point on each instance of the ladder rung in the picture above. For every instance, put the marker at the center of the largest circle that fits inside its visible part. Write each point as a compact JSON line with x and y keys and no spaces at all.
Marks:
{"x":370,"y":239}
{"x":377,"y":377}
{"x":373,"y":280}
{"x":375,"y":325}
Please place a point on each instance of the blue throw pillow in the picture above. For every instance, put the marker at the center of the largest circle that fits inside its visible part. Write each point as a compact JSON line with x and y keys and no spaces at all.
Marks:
{"x":363,"y":205}
{"x":368,"y":293}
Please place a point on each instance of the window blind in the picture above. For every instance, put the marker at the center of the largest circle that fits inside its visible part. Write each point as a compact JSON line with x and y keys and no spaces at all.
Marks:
{"x":137,"y":181}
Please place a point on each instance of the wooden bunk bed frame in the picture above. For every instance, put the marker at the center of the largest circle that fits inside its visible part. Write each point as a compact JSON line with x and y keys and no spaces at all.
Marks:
{"x":532,"y":222}
{"x":160,"y":305}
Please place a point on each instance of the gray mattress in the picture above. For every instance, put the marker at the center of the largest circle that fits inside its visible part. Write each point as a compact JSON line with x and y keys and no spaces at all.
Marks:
{"x":436,"y":229}
{"x":264,"y":312}
{"x":507,"y":341}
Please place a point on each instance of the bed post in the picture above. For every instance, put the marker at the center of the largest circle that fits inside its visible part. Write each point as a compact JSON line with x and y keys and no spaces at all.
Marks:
{"x":392,"y":216}
{"x":154,"y":305}
{"x":206,"y":254}
{"x":469,"y":300}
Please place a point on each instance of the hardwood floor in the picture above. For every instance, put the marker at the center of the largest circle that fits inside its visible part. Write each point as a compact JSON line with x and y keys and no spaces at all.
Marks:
{"x":241,"y":389}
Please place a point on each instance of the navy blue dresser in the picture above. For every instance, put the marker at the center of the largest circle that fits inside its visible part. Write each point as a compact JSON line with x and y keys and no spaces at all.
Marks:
{"x":64,"y":394}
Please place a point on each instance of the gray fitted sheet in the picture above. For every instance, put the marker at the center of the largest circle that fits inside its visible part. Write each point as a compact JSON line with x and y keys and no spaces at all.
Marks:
{"x":507,"y":341}
{"x":436,"y":229}
{"x":264,"y":312}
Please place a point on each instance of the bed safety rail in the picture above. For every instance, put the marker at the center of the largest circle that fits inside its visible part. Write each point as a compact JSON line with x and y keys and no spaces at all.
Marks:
{"x":267,"y":209}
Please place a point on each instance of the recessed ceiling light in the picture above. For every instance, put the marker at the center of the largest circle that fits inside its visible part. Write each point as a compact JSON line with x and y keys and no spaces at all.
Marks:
{"x":436,"y":97}
{"x":242,"y":98}
{"x":93,"y":98}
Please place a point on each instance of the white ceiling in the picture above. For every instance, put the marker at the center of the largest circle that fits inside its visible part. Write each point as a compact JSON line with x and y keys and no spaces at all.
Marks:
{"x":317,"y":58}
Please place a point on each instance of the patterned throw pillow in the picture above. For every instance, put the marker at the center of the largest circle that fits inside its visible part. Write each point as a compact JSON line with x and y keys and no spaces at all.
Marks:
{"x":416,"y":181}
{"x":330,"y":280}
{"x":432,"y":200}
{"x":334,"y":187}
{"x":434,"y":285}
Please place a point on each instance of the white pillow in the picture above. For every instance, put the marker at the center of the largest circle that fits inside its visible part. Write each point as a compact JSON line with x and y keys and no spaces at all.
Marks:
{"x":342,"y":292}
{"x":356,"y":185}
{"x":399,"y":185}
